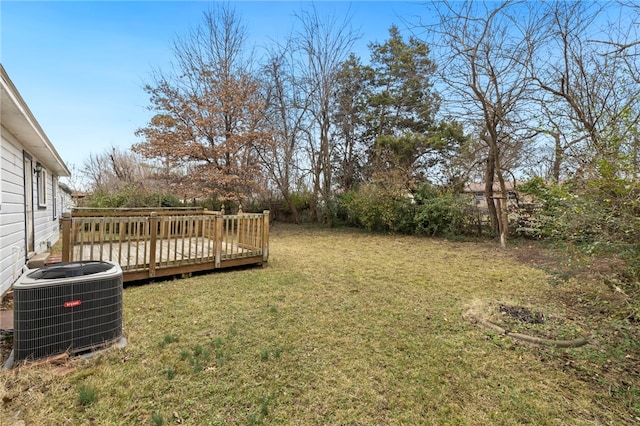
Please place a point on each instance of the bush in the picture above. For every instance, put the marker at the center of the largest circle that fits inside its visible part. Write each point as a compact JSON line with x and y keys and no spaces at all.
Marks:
{"x":132,"y":196}
{"x":588,"y":215}
{"x":301,"y":199}
{"x":377,"y":208}
{"x":550,"y":219}
{"x":596,"y":216}
{"x":441,"y":212}
{"x":429,"y":211}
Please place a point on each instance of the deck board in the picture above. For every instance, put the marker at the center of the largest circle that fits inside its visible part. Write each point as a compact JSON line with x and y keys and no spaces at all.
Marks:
{"x":134,"y":255}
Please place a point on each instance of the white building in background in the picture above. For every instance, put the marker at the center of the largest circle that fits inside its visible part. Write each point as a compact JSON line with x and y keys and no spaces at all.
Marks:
{"x":65,"y":199}
{"x":31,"y":199}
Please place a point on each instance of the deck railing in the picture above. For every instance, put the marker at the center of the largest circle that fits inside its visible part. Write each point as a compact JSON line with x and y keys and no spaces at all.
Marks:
{"x":152,"y":243}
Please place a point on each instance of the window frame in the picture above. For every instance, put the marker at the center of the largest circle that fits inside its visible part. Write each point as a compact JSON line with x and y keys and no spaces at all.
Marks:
{"x":42,"y":189}
{"x":54,"y":196}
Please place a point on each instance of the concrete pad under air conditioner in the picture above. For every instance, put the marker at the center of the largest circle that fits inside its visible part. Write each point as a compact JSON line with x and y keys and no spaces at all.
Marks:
{"x":37,"y":261}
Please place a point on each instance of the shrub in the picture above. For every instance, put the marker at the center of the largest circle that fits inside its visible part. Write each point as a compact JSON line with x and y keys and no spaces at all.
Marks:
{"x":377,"y":208}
{"x":597,"y":216}
{"x":441,"y":212}
{"x":132,"y":196}
{"x":429,"y":211}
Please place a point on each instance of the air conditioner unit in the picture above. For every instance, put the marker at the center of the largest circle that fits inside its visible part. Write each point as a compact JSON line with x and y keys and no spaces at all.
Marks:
{"x":67,"y":307}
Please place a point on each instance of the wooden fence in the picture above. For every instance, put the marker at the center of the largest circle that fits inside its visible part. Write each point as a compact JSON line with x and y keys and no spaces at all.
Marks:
{"x":150,"y":244}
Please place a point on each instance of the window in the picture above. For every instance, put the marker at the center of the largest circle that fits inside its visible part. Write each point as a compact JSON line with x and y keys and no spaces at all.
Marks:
{"x":42,"y":188}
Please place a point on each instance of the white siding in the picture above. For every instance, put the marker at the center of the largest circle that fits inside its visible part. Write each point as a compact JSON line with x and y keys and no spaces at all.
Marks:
{"x":12,"y":221}
{"x":12,"y":214}
{"x":46,"y":228}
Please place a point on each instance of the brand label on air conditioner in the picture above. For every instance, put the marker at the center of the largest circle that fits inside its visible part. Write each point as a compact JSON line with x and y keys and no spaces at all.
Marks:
{"x":72,"y":303}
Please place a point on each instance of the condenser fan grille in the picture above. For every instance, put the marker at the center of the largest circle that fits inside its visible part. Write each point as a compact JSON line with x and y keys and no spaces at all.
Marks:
{"x":71,"y":314}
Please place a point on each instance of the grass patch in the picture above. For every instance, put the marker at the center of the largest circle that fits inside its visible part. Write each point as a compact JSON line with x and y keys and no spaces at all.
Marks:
{"x":87,"y":395}
{"x":157,"y":419}
{"x":168,"y":339}
{"x":264,"y":355}
{"x":171,"y":373}
{"x":345,"y":327}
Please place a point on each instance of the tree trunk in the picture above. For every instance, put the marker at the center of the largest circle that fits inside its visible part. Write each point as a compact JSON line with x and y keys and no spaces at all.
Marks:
{"x":326,"y":171}
{"x":503,"y":217}
{"x":557,"y":158}
{"x":488,"y":191}
{"x":315,"y":195}
{"x":503,"y":214}
{"x":292,"y":206}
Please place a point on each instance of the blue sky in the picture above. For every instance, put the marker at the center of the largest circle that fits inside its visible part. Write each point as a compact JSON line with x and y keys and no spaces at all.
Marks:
{"x":81,"y":65}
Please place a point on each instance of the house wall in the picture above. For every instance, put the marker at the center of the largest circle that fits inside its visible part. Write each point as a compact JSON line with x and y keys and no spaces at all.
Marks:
{"x":47,"y":228}
{"x":13,"y":253}
{"x":12,"y":226}
{"x":479,"y":201}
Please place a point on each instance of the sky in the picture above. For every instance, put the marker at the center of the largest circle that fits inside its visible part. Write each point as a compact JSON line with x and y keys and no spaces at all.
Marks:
{"x":81,"y":65}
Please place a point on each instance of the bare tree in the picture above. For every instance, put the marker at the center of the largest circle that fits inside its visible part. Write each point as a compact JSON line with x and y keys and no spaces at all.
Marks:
{"x":624,"y":37}
{"x":589,"y":84}
{"x":324,"y":44}
{"x":285,"y":116}
{"x":114,"y":168}
{"x":559,"y":148}
{"x":485,"y":50}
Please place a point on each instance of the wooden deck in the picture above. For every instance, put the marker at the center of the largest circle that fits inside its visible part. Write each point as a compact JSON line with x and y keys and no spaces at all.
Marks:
{"x":150,"y":244}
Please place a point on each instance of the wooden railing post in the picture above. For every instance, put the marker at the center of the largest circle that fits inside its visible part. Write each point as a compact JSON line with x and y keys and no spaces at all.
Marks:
{"x":241,"y":229}
{"x":218,"y":235}
{"x":265,"y":236}
{"x":153,"y":238}
{"x":67,"y":244}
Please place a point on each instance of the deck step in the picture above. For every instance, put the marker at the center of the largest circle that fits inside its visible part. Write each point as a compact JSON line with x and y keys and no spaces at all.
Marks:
{"x":54,"y":258}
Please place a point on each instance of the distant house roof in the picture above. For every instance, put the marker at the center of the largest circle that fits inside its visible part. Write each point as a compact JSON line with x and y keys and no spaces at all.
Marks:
{"x":17,"y":119}
{"x":78,"y":194}
{"x":65,"y":188}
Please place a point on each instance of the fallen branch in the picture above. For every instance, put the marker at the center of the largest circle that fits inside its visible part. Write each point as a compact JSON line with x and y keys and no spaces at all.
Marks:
{"x":574,"y":343}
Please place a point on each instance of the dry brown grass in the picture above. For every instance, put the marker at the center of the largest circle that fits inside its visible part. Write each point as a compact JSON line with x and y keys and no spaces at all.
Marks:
{"x":343,"y":327}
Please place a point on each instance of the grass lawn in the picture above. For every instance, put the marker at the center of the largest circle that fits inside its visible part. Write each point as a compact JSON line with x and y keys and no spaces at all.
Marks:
{"x":344,"y":327}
